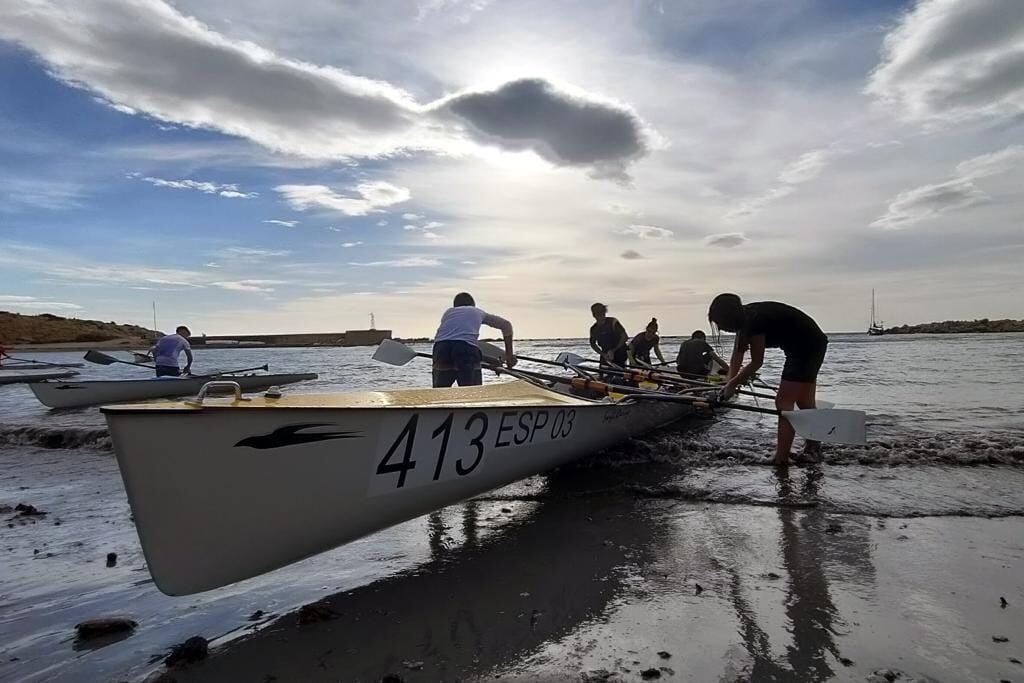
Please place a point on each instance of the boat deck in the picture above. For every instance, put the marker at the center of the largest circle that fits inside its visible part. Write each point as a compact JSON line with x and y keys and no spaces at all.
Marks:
{"x":505,"y":394}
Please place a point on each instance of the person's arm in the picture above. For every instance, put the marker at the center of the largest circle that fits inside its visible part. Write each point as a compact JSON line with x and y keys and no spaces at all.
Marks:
{"x":630,"y":353}
{"x":506,"y":333}
{"x":188,"y":358}
{"x":722,"y":365}
{"x":657,"y":352}
{"x":756,"y":345}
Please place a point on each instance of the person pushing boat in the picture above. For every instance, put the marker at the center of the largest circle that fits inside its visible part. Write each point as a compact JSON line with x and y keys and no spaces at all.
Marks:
{"x":168,"y":349}
{"x":457,"y":358}
{"x":608,"y":337}
{"x":770,"y":324}
{"x":640,"y":347}
{"x":696,"y":357}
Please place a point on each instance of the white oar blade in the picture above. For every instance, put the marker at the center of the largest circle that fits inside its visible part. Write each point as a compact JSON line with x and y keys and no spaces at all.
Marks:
{"x":569,"y":359}
{"x":491,"y":353}
{"x":830,"y":425}
{"x":393,"y":353}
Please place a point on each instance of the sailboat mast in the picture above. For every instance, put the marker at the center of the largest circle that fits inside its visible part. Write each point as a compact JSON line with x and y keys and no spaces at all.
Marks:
{"x":872,"y":307}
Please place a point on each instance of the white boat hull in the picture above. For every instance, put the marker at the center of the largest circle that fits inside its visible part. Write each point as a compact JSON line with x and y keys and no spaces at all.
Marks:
{"x":92,"y":393}
{"x":7,"y":378}
{"x":225,"y":492}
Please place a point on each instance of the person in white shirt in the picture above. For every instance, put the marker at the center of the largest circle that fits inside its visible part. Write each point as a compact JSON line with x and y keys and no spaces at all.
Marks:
{"x":456,"y":356}
{"x":166,"y":351}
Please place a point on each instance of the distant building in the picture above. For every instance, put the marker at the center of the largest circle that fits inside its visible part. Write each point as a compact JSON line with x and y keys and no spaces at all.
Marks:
{"x":347,"y":338}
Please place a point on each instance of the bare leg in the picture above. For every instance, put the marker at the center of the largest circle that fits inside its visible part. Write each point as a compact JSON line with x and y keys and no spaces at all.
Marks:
{"x":785,"y":399}
{"x":807,"y":401}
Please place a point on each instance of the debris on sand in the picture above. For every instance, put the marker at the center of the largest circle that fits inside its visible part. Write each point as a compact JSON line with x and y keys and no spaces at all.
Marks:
{"x":94,"y":628}
{"x":596,"y":676}
{"x":846,"y":661}
{"x":412,"y":665}
{"x":257,"y":615}
{"x":111,"y":559}
{"x":698,"y":589}
{"x":192,"y":650}
{"x":392,"y":678}
{"x":315,"y":612}
{"x":1002,"y":602}
{"x":28,"y":510}
{"x":771,"y":576}
{"x":834,"y":528}
{"x":650,"y":673}
{"x":664,"y":654}
{"x":1000,"y":639}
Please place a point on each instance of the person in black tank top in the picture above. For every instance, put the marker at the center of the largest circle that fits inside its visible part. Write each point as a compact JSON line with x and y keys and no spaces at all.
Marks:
{"x":608,"y":337}
{"x":641,"y":345}
{"x":770,"y":324}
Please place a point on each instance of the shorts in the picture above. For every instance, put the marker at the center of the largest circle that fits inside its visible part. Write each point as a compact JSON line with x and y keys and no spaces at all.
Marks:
{"x":803,"y":365}
{"x":457,"y":361}
{"x":168,"y":371}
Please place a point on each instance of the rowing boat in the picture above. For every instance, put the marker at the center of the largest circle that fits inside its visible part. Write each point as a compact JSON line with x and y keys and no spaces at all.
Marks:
{"x":39,"y":366}
{"x":224,"y":490}
{"x":91,"y":393}
{"x":36,"y":377}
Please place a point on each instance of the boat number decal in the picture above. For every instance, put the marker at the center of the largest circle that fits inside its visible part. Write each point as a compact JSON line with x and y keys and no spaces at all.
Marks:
{"x":419,"y":452}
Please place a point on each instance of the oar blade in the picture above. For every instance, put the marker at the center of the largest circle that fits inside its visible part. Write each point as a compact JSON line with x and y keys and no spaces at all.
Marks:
{"x":393,"y":353}
{"x":491,"y":353}
{"x":99,"y":358}
{"x":569,"y":359}
{"x":830,"y":425}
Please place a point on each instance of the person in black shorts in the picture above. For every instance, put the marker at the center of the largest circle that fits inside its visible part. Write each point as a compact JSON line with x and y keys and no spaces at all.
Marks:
{"x":608,"y":338}
{"x":640,"y":347}
{"x":773,"y":325}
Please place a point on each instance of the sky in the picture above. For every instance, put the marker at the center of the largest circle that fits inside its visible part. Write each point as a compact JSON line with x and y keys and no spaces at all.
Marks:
{"x":255,"y":166}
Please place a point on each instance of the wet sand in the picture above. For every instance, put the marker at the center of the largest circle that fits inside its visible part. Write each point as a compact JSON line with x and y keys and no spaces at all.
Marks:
{"x":564,"y":577}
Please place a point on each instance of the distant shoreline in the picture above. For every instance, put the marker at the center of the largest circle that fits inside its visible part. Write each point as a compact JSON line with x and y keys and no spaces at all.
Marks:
{"x":984,"y":325}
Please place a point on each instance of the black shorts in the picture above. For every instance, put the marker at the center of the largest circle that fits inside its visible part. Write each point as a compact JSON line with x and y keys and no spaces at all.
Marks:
{"x":457,"y":362}
{"x":803,"y":365}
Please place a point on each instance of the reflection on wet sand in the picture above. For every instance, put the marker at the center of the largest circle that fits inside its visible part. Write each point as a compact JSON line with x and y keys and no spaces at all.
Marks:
{"x":474,"y":606}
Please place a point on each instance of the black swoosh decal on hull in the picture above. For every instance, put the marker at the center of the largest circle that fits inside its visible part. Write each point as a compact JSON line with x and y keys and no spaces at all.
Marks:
{"x":289,"y":436}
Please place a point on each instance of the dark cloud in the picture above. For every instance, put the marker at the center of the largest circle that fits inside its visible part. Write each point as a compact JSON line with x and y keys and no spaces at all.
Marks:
{"x":726,"y":240}
{"x":565,"y":129}
{"x":632,"y":255}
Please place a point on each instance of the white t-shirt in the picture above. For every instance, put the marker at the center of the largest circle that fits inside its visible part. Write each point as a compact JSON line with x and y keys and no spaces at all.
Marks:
{"x":462,"y":323}
{"x":168,"y":348}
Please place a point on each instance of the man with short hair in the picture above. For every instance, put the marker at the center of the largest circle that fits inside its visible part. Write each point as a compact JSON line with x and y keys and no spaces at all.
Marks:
{"x":167,"y":350}
{"x":456,"y":355}
{"x":695,"y":357}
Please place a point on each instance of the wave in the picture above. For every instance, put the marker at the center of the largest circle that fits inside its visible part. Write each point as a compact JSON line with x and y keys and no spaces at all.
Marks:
{"x":69,"y":438}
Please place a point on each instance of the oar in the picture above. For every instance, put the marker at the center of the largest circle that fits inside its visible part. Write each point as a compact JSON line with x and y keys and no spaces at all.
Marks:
{"x":42,"y":362}
{"x":99,"y":358}
{"x":396,"y":353}
{"x":830,"y":425}
{"x":495,"y":355}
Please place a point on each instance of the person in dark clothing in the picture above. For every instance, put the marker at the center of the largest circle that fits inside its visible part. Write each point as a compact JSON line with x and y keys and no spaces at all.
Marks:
{"x":770,"y":324}
{"x":608,"y":338}
{"x":696,"y":357}
{"x":640,"y":346}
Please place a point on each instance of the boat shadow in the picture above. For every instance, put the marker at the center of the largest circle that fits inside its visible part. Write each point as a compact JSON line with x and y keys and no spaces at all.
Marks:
{"x":472,"y":607}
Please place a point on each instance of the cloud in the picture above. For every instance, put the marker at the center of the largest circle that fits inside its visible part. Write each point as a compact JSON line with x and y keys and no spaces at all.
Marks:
{"x":411,"y":217}
{"x":229,"y":190}
{"x":564,"y":128}
{"x":805,"y":168}
{"x":632,"y":255}
{"x":349,"y":245}
{"x":489,"y":277}
{"x":954,"y":60}
{"x":726,"y":239}
{"x":368,"y":197}
{"x":929,"y":201}
{"x":260,"y":286}
{"x":408,"y":262}
{"x":147,"y":57}
{"x":644,"y":232}
{"x":31,"y":302}
{"x":250,"y":254}
{"x":284,"y":224}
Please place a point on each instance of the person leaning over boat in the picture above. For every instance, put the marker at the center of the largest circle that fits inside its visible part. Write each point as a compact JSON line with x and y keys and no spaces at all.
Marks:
{"x":167,"y":350}
{"x":608,"y":337}
{"x":456,"y":356}
{"x":640,"y":347}
{"x":770,"y":324}
{"x":696,"y":356}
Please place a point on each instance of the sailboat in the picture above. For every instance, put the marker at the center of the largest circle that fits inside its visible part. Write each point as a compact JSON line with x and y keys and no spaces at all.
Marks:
{"x":876,"y":327}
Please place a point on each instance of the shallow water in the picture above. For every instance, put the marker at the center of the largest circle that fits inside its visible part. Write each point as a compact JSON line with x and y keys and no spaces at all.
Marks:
{"x":946,"y":417}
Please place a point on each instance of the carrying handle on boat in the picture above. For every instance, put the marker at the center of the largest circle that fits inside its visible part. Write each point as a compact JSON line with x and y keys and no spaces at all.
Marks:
{"x":218,"y":387}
